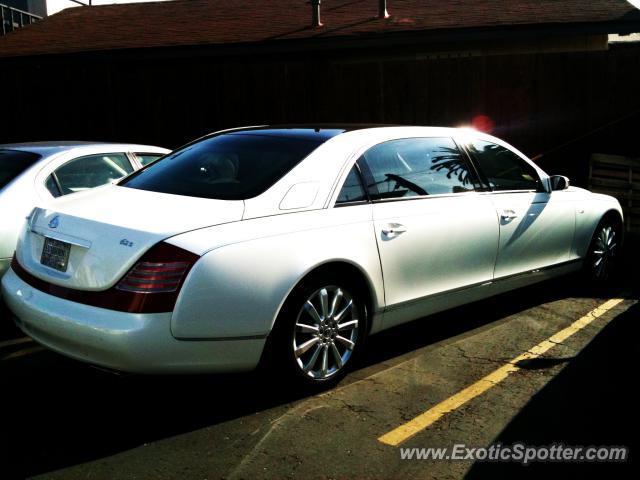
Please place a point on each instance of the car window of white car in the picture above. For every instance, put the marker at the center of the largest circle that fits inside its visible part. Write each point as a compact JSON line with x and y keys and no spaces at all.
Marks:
{"x":228,"y":166}
{"x":415,"y":167}
{"x":352,"y":191}
{"x":88,"y":172}
{"x":147,"y":158}
{"x":503,"y":169}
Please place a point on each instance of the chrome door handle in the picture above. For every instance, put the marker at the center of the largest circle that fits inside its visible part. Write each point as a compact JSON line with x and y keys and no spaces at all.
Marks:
{"x":508,"y":215}
{"x":393,"y":229}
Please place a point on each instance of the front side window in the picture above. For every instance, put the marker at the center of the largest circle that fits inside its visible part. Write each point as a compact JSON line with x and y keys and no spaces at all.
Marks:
{"x":504,"y":169}
{"x":416,"y":167}
{"x":230,"y":166}
{"x":13,"y":163}
{"x":91,"y":171}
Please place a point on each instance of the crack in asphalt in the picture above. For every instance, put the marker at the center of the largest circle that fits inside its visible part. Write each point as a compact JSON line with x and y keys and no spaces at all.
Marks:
{"x":473,"y":358}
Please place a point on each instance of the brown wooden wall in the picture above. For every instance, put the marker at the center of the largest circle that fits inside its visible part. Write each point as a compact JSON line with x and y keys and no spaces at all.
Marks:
{"x":536,"y":101}
{"x":620,"y":177}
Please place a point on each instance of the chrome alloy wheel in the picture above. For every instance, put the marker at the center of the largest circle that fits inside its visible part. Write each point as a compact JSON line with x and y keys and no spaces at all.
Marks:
{"x":326,"y":332}
{"x":604,"y":250}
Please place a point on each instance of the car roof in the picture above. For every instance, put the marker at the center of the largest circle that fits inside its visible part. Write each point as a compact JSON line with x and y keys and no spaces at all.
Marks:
{"x":53,"y":147}
{"x":321,"y":132}
{"x":327,"y":131}
{"x":312,"y":130}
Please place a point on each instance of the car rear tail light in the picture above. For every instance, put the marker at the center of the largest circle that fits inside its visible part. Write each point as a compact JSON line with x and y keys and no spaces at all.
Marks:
{"x":151,"y":277}
{"x":155,"y":280}
{"x":151,"y":286}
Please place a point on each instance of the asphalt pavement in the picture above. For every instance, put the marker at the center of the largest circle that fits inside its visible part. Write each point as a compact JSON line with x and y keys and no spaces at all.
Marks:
{"x":63,"y":419}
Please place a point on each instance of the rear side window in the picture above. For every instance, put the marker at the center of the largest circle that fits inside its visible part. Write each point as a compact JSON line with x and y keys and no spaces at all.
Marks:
{"x":504,"y":169}
{"x":13,"y":163}
{"x":91,"y":171}
{"x":231,"y":166}
{"x":352,"y":190}
{"x":52,"y":185}
{"x":416,"y":167}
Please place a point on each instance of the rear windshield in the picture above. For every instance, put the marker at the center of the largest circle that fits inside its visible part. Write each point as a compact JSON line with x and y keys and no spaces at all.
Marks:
{"x":13,"y":163}
{"x":231,"y":166}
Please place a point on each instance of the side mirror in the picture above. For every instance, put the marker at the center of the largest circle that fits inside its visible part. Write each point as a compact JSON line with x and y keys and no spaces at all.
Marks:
{"x":559,"y":182}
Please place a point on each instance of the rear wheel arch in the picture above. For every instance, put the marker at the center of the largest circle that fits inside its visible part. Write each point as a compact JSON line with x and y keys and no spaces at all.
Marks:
{"x":329,"y":277}
{"x":352,"y":274}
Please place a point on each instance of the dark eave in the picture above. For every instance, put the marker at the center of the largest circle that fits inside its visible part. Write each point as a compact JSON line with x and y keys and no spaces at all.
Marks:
{"x":238,"y":27}
{"x":431,"y":40}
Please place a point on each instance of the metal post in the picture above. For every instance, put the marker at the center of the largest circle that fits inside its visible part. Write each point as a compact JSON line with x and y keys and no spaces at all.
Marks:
{"x":315,"y":13}
{"x":382,"y":9}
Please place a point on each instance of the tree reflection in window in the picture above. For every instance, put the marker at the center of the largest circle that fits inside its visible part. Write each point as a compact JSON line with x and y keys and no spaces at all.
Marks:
{"x":503,"y":168}
{"x":417,"y":167}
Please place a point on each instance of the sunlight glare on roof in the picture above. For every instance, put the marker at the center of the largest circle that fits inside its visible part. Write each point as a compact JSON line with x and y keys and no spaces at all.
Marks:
{"x":55,"y":6}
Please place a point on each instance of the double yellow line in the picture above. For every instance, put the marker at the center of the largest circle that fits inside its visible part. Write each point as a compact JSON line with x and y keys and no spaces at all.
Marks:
{"x":398,"y":435}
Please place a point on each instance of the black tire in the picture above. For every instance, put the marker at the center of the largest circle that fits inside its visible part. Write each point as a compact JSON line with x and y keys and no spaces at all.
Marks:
{"x":316,"y":366}
{"x":601,"y":267}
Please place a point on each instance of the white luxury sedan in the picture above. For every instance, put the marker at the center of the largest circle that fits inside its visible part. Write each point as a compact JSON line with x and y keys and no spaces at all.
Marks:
{"x":32,"y":173}
{"x":290,"y":245}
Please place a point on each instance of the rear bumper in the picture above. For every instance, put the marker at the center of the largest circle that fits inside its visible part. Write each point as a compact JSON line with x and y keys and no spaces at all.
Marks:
{"x":130,"y":342}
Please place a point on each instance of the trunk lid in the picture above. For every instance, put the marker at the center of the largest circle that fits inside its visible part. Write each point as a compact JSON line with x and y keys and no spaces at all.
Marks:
{"x":108,"y":230}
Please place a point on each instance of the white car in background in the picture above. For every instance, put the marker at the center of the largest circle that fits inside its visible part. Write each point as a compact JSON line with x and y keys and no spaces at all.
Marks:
{"x":291,"y":245}
{"x":32,"y":173}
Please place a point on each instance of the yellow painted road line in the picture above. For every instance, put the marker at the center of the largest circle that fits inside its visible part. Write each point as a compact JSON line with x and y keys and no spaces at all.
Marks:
{"x":22,"y":353}
{"x":404,"y":432}
{"x":15,"y":341}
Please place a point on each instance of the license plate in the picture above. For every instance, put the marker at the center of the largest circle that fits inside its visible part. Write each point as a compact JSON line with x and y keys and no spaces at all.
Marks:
{"x":55,"y":254}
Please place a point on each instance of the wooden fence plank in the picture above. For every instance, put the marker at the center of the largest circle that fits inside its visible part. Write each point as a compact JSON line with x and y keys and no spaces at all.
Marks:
{"x":617,"y":176}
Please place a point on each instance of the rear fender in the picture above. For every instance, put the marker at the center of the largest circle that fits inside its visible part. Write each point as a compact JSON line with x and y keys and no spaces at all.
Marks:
{"x":237,"y":290}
